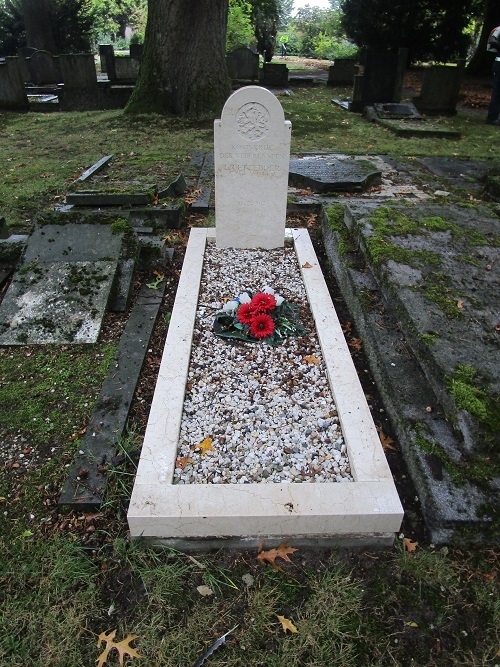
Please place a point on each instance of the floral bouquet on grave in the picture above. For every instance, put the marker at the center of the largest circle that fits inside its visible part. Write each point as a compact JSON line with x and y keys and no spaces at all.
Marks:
{"x":264,"y":316}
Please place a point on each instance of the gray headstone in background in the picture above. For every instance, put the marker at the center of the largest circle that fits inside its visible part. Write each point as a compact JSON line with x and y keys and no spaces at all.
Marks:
{"x":243,"y":63}
{"x":136,"y":51}
{"x":440,"y":89}
{"x":107,"y":56}
{"x":60,"y":293}
{"x":25,"y":52}
{"x":44,"y":68}
{"x":80,"y":90}
{"x":274,"y":75}
{"x":342,"y":72}
{"x":12,"y":91}
{"x":381,"y":81}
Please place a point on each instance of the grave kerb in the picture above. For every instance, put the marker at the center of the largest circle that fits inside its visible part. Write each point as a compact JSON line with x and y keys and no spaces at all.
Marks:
{"x":364,"y":512}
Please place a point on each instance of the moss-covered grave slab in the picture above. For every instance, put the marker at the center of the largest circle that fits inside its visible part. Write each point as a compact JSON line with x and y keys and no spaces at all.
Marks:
{"x":62,"y":288}
{"x":441,"y":266}
{"x":126,"y":181}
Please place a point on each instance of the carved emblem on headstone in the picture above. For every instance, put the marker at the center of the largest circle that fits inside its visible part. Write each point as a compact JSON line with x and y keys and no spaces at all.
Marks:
{"x":252,"y":121}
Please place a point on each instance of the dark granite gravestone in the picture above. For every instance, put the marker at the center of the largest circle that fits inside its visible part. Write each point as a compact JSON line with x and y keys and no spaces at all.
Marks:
{"x":381,"y":81}
{"x":44,"y":68}
{"x":127,"y":69}
{"x":80,"y":90}
{"x":12,"y":91}
{"x":136,"y":51}
{"x":243,"y":64}
{"x":440,"y":89}
{"x":333,"y":174}
{"x":107,"y":56}
{"x":342,"y":72}
{"x":60,"y":293}
{"x":23,"y":53}
{"x":274,"y":75}
{"x":4,"y":230}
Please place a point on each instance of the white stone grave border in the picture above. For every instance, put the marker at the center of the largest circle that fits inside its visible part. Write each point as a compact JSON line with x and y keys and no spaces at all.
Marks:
{"x":366,"y":512}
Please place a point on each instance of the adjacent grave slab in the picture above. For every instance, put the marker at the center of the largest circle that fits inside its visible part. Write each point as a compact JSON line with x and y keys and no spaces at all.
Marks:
{"x":441,"y":280}
{"x":117,"y":183}
{"x":252,"y":150}
{"x":366,"y":511}
{"x":396,"y":110}
{"x":464,"y":173}
{"x":409,"y":126}
{"x":333,"y":173}
{"x":60,"y":293}
{"x":452,"y":512}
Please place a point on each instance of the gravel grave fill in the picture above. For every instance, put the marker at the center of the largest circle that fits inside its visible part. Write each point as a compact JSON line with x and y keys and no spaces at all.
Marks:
{"x":255,"y":413}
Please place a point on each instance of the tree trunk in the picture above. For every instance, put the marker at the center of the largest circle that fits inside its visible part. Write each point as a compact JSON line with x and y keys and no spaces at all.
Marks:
{"x":183,"y":69}
{"x":481,"y":61}
{"x":37,"y":23}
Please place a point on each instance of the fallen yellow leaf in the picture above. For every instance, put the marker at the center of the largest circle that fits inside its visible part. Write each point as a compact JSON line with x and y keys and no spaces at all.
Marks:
{"x":286,"y":624}
{"x":205,"y":446}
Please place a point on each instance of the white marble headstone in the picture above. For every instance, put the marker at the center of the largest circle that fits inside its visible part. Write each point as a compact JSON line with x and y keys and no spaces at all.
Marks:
{"x":251,"y":154}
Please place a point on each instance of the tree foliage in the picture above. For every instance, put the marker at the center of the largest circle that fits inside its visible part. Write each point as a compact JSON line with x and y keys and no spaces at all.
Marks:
{"x":430,"y":29}
{"x":111,"y":17}
{"x":488,"y":17}
{"x":12,"y":30}
{"x":69,"y":22}
{"x":239,"y":25}
{"x":266,"y":17}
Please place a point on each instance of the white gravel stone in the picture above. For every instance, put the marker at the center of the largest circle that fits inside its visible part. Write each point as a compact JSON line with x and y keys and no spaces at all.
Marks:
{"x":269,"y":413}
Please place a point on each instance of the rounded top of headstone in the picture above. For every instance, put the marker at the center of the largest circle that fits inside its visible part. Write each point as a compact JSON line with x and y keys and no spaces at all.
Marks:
{"x":251,"y":109}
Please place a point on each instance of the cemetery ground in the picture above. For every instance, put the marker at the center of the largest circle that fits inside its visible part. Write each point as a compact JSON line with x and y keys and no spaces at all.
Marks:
{"x":65,"y":578}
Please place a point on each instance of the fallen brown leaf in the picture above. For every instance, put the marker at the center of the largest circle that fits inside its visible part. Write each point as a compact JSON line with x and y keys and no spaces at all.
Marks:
{"x":355,"y":343}
{"x":271,"y":555}
{"x":122,"y":647}
{"x":386,"y":441}
{"x":409,"y":545}
{"x":182,"y":461}
{"x":311,"y":359}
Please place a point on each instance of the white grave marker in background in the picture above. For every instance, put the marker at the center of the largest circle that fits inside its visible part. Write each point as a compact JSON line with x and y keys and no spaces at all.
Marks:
{"x":251,"y":153}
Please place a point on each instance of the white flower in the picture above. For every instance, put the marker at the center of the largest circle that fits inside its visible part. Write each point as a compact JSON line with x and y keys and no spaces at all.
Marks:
{"x":279,"y":299}
{"x":244,"y":297}
{"x":268,"y":290}
{"x":230,"y":306}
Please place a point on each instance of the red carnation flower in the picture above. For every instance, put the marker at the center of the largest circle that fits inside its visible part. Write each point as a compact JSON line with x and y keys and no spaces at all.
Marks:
{"x":245,"y":313}
{"x":262,"y":325}
{"x":263,"y":303}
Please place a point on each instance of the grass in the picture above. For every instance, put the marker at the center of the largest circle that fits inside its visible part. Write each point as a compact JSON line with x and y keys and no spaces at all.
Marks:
{"x":42,"y":154}
{"x":65,"y":578}
{"x":432,"y":607}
